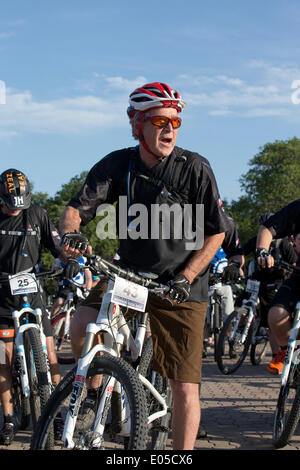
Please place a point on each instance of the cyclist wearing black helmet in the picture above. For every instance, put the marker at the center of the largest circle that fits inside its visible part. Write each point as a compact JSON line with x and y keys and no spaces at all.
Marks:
{"x":24,"y":230}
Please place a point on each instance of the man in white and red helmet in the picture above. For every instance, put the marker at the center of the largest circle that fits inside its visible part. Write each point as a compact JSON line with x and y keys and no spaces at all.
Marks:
{"x":158,"y":173}
{"x":155,"y":99}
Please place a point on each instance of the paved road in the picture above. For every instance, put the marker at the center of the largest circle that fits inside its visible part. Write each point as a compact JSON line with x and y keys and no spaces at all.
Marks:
{"x":237,"y":411}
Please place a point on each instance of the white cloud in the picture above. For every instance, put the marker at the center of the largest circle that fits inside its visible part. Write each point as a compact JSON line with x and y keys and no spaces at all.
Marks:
{"x":5,"y":35}
{"x":102,"y":104}
{"x":121,"y":83}
{"x":267,"y":92}
{"x":22,"y":113}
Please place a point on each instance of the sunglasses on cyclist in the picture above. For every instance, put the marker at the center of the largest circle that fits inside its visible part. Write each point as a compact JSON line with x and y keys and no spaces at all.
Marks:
{"x":163,"y":121}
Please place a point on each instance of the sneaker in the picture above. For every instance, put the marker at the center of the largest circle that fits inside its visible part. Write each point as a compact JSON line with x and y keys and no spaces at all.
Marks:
{"x":276,"y":365}
{"x":7,"y":434}
{"x":86,"y":414}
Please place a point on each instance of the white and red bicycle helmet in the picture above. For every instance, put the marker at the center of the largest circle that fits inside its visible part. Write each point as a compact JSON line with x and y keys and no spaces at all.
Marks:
{"x":154,"y":95}
{"x":150,"y":96}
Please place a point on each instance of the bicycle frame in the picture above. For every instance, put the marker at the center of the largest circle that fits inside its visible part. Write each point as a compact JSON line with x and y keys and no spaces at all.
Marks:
{"x":250,"y":305}
{"x":70,"y":305}
{"x":116,"y":333}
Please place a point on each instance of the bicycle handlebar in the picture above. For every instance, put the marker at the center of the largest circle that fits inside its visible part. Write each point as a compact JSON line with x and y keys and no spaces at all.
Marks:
{"x":50,"y":274}
{"x":288,"y":266}
{"x":98,"y":264}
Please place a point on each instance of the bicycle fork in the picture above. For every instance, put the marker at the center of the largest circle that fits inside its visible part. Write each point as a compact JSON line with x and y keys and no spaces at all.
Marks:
{"x":19,"y":342}
{"x":244,"y":334}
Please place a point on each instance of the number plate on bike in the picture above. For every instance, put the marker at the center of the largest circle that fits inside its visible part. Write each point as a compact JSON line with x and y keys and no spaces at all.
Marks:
{"x":23,"y":283}
{"x":128,"y":294}
{"x":252,"y":286}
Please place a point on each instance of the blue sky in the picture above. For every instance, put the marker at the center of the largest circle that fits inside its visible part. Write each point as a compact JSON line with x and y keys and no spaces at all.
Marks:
{"x":68,"y":68}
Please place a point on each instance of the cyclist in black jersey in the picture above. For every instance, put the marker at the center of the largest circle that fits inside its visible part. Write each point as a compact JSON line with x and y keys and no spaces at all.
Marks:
{"x":270,"y":279}
{"x":153,"y":174}
{"x":284,"y":223}
{"x":24,"y":230}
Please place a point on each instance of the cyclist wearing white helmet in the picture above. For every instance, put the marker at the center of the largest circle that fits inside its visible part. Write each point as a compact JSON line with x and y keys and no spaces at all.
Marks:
{"x":159,"y":104}
{"x":157,"y":173}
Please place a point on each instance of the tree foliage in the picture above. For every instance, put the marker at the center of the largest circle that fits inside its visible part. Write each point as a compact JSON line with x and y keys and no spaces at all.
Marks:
{"x":271,"y":183}
{"x":55,"y":206}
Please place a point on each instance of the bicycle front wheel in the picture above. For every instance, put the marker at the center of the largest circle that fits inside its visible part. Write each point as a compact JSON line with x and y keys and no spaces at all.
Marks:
{"x":287,"y":412}
{"x":37,"y":370}
{"x":117,"y":433}
{"x":232,"y":348}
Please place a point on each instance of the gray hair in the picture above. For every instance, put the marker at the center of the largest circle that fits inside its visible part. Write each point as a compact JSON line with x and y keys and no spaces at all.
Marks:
{"x":136,"y":118}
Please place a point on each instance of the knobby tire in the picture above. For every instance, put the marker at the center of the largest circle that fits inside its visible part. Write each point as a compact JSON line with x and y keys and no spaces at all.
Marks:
{"x":108,"y":366}
{"x":226,"y":364}
{"x":285,"y":422}
{"x":37,"y":369}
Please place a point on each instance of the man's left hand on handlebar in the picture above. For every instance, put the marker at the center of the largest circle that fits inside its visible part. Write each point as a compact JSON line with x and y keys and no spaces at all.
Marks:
{"x":180,"y":288}
{"x":264,"y":258}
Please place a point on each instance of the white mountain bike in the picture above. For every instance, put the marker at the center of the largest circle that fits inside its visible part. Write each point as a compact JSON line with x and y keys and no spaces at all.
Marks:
{"x":31,"y":378}
{"x":61,"y":327}
{"x":121,"y":418}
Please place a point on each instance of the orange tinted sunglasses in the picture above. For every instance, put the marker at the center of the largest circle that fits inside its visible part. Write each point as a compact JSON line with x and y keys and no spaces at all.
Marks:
{"x":163,"y":121}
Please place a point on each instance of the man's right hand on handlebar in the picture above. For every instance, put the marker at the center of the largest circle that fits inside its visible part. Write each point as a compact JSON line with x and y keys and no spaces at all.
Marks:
{"x":264,"y":258}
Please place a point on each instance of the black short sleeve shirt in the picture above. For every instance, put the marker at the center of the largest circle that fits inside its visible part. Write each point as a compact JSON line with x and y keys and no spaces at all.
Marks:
{"x":183,"y":180}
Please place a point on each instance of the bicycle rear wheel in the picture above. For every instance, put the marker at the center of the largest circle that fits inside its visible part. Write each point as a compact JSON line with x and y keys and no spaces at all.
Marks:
{"x":132,"y":397}
{"x":216,"y":326}
{"x":62,"y":343}
{"x":287,"y":412}
{"x":160,"y":428}
{"x":231,"y":349}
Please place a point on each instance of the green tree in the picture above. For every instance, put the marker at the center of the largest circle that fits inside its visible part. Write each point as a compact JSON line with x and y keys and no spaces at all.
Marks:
{"x":55,"y":207}
{"x":271,"y":183}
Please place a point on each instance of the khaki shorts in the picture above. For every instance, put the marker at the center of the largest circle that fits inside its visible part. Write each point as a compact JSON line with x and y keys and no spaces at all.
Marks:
{"x":177,"y":333}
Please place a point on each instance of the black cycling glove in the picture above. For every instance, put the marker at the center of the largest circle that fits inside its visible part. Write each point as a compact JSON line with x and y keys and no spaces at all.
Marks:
{"x":71,"y":269}
{"x":262,"y":253}
{"x":180,"y":288}
{"x":232,"y":272}
{"x":75,"y":240}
